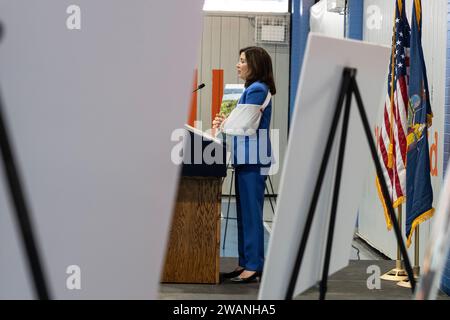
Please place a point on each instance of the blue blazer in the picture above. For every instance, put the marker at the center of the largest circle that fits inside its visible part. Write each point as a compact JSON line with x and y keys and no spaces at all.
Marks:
{"x":255,"y":149}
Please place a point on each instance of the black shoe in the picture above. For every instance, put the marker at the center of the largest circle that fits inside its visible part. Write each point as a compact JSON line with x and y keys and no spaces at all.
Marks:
{"x":233,"y":274}
{"x":254,"y":277}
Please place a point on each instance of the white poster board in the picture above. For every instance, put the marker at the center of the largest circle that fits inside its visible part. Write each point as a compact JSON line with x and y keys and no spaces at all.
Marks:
{"x":317,"y":96}
{"x":438,"y":247}
{"x":91,"y":112}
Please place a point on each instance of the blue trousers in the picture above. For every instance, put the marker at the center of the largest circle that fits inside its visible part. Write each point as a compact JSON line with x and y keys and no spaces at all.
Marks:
{"x":249,"y":186}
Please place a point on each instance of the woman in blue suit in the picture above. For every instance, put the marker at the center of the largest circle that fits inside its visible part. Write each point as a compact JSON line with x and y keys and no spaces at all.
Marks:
{"x":251,"y":160}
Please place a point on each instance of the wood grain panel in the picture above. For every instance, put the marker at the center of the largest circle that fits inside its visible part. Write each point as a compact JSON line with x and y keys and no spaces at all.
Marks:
{"x":193,"y":251}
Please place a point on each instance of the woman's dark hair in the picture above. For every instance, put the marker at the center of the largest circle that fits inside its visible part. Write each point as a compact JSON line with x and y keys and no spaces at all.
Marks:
{"x":259,"y":67}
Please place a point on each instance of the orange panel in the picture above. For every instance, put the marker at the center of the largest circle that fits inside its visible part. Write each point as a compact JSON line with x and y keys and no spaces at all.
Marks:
{"x":193,"y":107}
{"x":217,"y":92}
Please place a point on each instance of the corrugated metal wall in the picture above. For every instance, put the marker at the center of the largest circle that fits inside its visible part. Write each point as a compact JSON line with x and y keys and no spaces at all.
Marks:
{"x":371,"y":223}
{"x":223,"y":35}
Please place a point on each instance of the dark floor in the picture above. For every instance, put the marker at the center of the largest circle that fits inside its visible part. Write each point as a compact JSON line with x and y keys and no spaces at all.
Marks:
{"x":347,"y":284}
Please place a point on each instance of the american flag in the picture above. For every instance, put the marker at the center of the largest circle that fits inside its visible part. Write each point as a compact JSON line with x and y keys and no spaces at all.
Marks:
{"x":392,"y":145}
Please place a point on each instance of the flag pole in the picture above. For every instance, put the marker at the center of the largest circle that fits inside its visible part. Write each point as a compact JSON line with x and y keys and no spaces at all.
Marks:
{"x":416,"y":268}
{"x":399,"y":272}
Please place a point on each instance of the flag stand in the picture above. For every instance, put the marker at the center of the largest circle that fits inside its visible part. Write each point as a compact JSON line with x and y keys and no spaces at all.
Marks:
{"x":348,"y":87}
{"x":416,"y":269}
{"x":399,"y":272}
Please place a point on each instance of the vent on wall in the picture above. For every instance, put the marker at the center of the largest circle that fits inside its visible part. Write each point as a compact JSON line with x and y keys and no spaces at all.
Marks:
{"x":272,"y":29}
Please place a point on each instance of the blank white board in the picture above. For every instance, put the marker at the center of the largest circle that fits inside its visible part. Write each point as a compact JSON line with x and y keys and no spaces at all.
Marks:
{"x":317,"y":96}
{"x":91,"y":113}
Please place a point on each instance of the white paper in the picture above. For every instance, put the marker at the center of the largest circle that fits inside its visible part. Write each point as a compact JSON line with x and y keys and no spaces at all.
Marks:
{"x":314,"y":108}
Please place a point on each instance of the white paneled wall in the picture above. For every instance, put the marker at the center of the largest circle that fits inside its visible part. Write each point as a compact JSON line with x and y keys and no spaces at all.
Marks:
{"x":378,"y":23}
{"x":223,"y":35}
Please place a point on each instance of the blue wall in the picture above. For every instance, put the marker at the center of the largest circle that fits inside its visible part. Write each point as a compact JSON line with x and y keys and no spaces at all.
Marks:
{"x":445,"y":285}
{"x":299,"y":36}
{"x":354,"y":27}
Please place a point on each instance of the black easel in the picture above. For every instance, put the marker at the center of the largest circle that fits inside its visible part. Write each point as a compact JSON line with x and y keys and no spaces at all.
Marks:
{"x":349,"y":87}
{"x":22,"y":216}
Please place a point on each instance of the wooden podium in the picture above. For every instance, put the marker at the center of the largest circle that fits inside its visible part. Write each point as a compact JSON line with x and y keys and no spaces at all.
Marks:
{"x":194,"y":243}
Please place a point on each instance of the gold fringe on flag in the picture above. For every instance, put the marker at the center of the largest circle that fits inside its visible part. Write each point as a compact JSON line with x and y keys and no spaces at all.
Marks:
{"x":423,"y":217}
{"x":395,"y":205}
{"x":390,"y":156}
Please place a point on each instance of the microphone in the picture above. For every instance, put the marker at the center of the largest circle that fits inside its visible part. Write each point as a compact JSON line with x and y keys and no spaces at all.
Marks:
{"x":201,"y":86}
